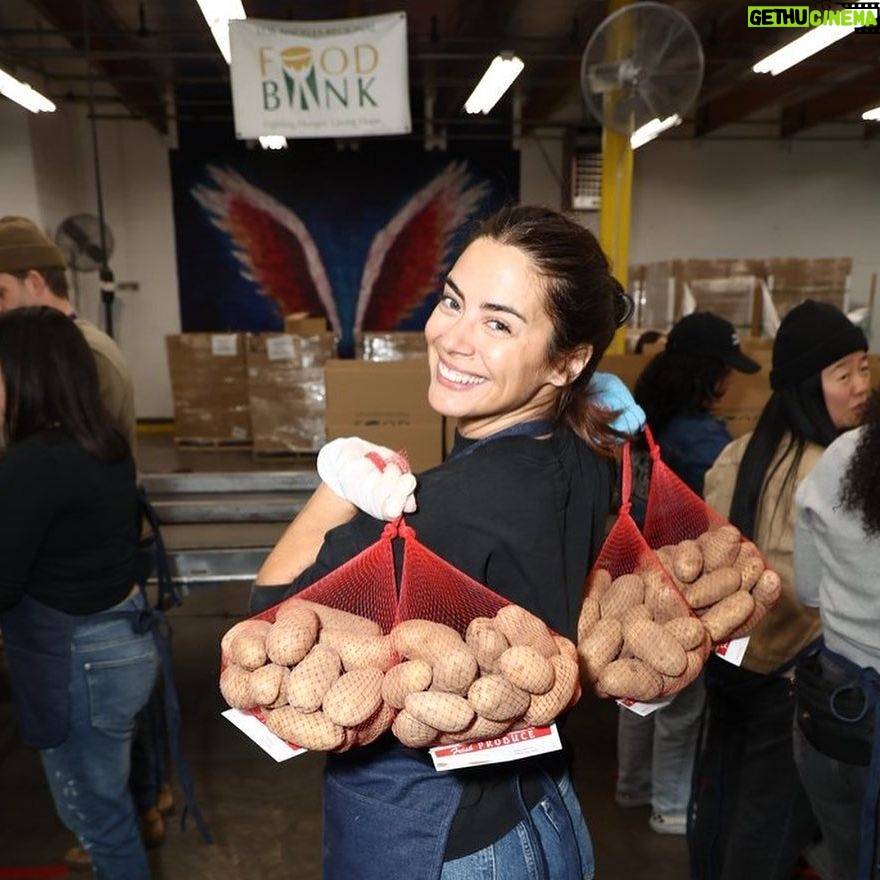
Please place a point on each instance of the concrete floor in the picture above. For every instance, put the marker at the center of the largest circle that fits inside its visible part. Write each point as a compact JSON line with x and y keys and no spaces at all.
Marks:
{"x":266,"y":817}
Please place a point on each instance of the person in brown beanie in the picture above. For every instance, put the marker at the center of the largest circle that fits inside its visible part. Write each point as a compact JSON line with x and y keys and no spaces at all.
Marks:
{"x":33,"y":273}
{"x":753,"y":818}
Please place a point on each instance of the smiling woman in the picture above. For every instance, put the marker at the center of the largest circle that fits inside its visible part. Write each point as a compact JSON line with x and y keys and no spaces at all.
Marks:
{"x":520,"y":506}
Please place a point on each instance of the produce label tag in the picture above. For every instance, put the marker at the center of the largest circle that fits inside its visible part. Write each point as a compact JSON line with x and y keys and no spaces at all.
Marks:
{"x":733,"y":651}
{"x":252,"y":727}
{"x":224,"y":344}
{"x":279,"y":348}
{"x":643,"y":709}
{"x":510,"y":746}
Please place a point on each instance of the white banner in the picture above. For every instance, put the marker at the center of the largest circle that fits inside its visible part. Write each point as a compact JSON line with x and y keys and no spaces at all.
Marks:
{"x":311,"y":79}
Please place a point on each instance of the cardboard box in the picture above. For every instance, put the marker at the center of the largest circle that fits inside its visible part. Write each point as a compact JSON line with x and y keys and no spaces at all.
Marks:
{"x":286,"y":391}
{"x":385,"y":402}
{"x":298,"y":325}
{"x":209,"y":387}
{"x":392,"y":346}
{"x":747,"y":395}
{"x":627,"y":367}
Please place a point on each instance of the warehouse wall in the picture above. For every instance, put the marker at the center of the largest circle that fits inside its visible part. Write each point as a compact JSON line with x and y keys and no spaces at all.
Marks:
{"x":691,"y":199}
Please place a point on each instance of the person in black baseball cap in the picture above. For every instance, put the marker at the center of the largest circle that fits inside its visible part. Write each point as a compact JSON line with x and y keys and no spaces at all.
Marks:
{"x":678,"y":390}
{"x":820,"y":383}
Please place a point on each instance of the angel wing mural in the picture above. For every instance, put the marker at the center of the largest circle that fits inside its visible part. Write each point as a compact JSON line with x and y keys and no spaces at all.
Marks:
{"x":276,"y":251}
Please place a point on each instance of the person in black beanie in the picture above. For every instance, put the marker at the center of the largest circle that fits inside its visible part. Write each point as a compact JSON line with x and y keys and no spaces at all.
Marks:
{"x":753,"y":818}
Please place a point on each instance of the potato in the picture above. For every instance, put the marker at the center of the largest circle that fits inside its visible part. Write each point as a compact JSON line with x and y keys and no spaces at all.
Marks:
{"x":598,"y":583}
{"x":521,"y":627}
{"x":292,"y":637}
{"x":624,"y":592}
{"x":749,"y":564}
{"x":447,"y":713}
{"x":667,"y":603}
{"x":631,"y":679}
{"x":695,"y":663}
{"x":454,"y":672}
{"x":424,"y":640}
{"x":524,"y":667}
{"x":725,"y":616}
{"x":335,"y":618}
{"x":486,"y":642}
{"x":750,"y":622}
{"x":405,"y":678}
{"x":588,"y":617}
{"x":720,"y":547}
{"x":479,"y":728}
{"x":600,"y":647}
{"x":496,"y":697}
{"x":650,"y":642}
{"x":712,"y":587}
{"x":311,"y":679}
{"x":311,"y":730}
{"x":768,"y":588}
{"x":689,"y":632}
{"x":235,"y":687}
{"x":687,"y":561}
{"x":412,"y":732}
{"x":637,"y":612}
{"x":375,"y":726}
{"x":268,"y":683}
{"x":566,"y":647}
{"x":544,"y":708}
{"x":248,"y":650}
{"x":249,"y":627}
{"x":359,"y":650}
{"x":353,"y":697}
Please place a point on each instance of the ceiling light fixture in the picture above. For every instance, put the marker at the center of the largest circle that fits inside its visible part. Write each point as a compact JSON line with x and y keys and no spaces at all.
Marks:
{"x":497,"y":79}
{"x":813,"y":41}
{"x":23,"y":94}
{"x":651,"y":129}
{"x":273,"y":141}
{"x":872,"y":115}
{"x":218,"y":14}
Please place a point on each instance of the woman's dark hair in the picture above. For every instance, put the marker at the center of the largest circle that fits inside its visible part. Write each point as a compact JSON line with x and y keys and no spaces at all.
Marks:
{"x":673,"y":384}
{"x":586,"y":304}
{"x":647,"y":338}
{"x":861,"y":482}
{"x":798,"y":413}
{"x":51,"y":382}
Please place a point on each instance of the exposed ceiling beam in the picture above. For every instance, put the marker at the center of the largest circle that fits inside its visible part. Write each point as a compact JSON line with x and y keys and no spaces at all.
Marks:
{"x":859,"y":93}
{"x":139,"y":97}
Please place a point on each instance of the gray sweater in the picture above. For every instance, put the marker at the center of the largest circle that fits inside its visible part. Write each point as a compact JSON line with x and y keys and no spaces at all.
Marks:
{"x":836,"y":562}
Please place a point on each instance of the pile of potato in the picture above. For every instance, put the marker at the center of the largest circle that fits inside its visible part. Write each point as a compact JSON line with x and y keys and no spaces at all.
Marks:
{"x":637,"y":637}
{"x":508,"y":671}
{"x":724,"y":579}
{"x":316,"y":673}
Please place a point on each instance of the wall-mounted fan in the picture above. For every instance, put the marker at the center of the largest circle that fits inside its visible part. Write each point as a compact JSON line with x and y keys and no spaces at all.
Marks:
{"x":82,"y":243}
{"x":644,"y":62}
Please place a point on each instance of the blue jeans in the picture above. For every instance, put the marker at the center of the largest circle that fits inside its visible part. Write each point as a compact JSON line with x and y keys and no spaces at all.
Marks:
{"x":112,"y":672}
{"x":513,"y":857}
{"x":656,"y":753}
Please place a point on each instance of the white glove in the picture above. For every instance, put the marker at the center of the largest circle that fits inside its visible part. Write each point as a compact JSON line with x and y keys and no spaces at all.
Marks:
{"x":373,"y":478}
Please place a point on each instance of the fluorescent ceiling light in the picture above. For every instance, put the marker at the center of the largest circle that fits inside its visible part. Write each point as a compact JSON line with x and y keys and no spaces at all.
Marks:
{"x":810,"y":43}
{"x":503,"y":70}
{"x":218,"y":14}
{"x":273,"y":142}
{"x":872,"y":115}
{"x":651,"y":129}
{"x":23,"y":94}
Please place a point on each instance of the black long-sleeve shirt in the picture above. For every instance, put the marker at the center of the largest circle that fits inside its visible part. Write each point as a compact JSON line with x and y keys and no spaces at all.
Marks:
{"x":68,"y":525}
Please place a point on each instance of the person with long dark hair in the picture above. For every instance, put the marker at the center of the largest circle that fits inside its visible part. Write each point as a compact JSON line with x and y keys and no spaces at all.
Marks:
{"x":80,"y":664}
{"x":523,"y":317}
{"x":836,"y":560}
{"x":678,"y":390}
{"x":753,"y":818}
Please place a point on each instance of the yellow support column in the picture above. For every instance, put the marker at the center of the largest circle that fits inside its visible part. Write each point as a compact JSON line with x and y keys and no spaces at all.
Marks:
{"x":614,"y":215}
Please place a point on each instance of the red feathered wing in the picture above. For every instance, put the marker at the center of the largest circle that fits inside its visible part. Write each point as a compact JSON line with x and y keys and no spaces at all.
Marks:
{"x":273,"y":247}
{"x":408,"y":256}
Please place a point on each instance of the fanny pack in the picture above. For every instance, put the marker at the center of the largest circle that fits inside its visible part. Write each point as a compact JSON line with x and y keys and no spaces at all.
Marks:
{"x":833,"y":710}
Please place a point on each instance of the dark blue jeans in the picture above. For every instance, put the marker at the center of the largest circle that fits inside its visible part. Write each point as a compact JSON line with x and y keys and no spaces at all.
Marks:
{"x":112,"y":672}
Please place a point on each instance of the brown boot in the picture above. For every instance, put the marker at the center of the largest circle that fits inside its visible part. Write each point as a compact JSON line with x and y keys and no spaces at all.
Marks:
{"x":77,"y":859}
{"x":152,"y":828}
{"x":165,"y":800}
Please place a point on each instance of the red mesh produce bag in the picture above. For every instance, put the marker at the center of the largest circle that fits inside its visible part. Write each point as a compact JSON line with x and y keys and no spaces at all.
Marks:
{"x":637,"y":637}
{"x":722,"y":575}
{"x":312,"y":668}
{"x":473,"y":665}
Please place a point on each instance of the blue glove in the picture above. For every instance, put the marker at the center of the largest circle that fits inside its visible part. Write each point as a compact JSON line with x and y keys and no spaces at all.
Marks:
{"x":608,"y":392}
